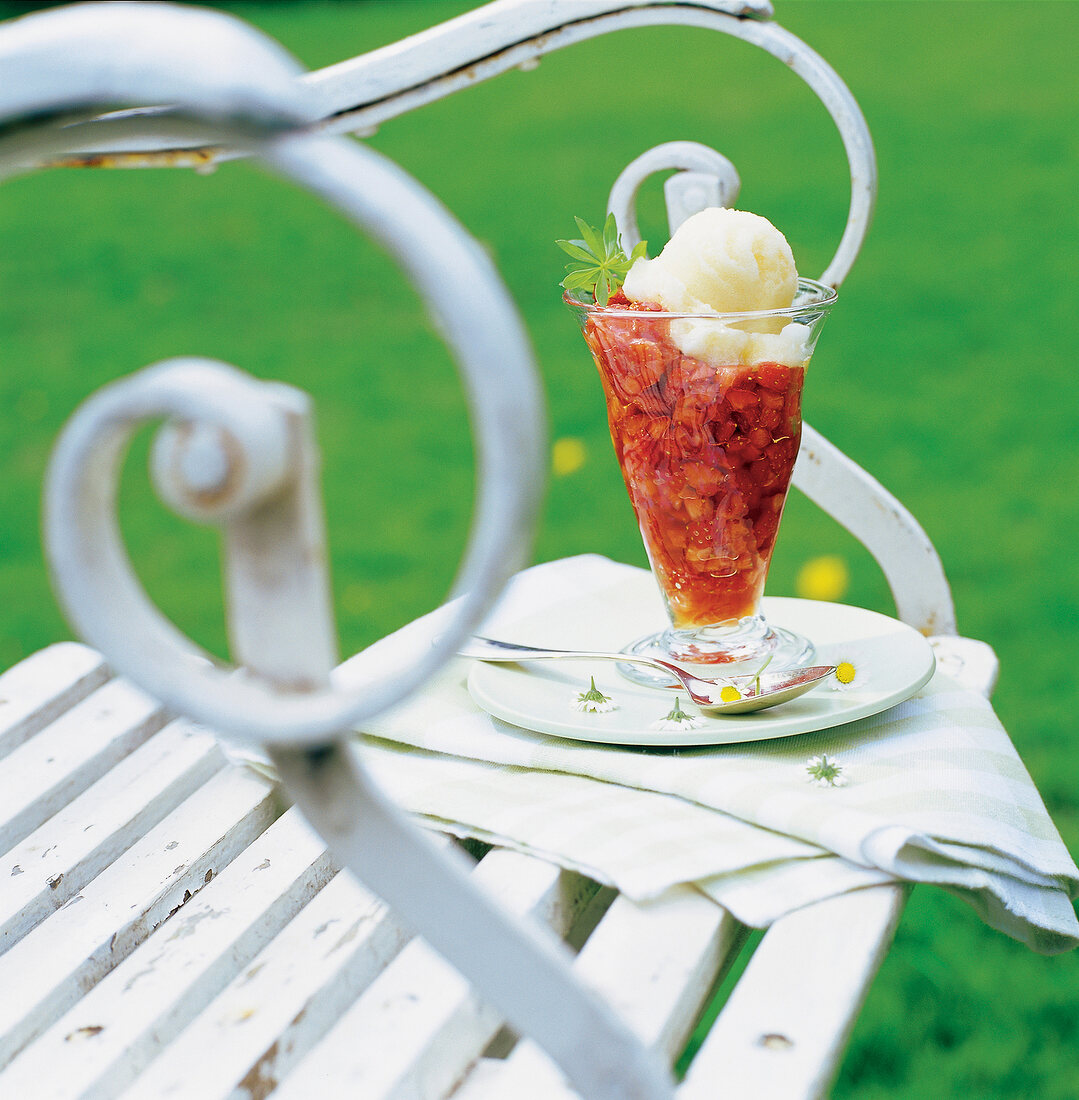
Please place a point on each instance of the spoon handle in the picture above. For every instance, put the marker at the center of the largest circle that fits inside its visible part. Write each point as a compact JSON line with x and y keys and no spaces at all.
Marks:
{"x":488,"y":649}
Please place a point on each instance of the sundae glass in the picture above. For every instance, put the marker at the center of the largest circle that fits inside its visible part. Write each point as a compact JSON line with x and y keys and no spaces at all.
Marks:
{"x":704,"y":407}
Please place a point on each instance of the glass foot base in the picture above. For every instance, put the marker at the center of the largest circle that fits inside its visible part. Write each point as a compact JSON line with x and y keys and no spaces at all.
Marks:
{"x":719,"y":651}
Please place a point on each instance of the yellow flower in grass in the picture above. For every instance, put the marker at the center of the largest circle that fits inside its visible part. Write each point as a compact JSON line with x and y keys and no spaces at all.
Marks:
{"x":823,"y":578}
{"x":568,"y":455}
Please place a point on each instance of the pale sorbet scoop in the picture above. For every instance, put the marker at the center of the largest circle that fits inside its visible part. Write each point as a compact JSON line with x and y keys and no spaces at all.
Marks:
{"x":724,"y":261}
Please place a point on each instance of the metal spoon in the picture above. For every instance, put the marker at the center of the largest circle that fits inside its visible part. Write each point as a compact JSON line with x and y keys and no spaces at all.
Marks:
{"x":774,"y":687}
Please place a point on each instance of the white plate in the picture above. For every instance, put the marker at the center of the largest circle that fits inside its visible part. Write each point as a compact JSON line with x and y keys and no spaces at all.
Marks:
{"x":893,"y":662}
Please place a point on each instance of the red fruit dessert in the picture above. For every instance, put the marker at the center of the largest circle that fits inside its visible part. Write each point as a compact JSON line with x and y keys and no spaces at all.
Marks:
{"x":707,"y":453}
{"x":703,"y":352}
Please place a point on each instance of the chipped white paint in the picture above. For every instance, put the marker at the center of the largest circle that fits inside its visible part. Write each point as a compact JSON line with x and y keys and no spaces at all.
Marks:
{"x":50,"y":967}
{"x":43,"y":686}
{"x":479,"y":44}
{"x":260,"y":925}
{"x":282,"y":1001}
{"x":42,"y":775}
{"x":107,"y":1039}
{"x":788,"y":1019}
{"x":95,"y":827}
{"x":420,"y":1026}
{"x":654,"y":963}
{"x":514,"y":965}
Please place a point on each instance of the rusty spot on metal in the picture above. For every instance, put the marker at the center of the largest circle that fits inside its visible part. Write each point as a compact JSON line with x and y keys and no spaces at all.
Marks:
{"x":55,"y":880}
{"x":773,"y":1041}
{"x":251,"y":973}
{"x":348,"y":935}
{"x":263,"y":865}
{"x":475,"y":71}
{"x":150,"y":158}
{"x":235,"y":467}
{"x":209,"y":875}
{"x":300,"y":685}
{"x":260,"y":1081}
{"x":87,"y":1032}
{"x":187,"y":897}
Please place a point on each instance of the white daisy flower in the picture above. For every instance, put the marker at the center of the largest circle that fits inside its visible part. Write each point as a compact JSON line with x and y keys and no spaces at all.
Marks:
{"x":848,"y":674}
{"x":593,"y":701}
{"x":678,"y":719}
{"x":823,"y":772}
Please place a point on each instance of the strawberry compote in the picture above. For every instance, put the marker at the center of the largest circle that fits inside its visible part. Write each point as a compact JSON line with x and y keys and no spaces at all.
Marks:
{"x":707,"y":453}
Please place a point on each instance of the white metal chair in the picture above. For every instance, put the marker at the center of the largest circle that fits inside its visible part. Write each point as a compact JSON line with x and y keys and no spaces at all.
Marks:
{"x":162,"y":905}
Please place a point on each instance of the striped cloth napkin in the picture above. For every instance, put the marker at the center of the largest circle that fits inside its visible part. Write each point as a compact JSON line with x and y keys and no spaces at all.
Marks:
{"x":936,"y":792}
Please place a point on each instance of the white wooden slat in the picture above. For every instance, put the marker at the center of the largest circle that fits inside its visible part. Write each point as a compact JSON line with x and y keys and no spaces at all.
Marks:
{"x":45,"y":773}
{"x":57,"y":860}
{"x":419,"y":1026}
{"x":285,"y":999}
{"x":38,"y":689}
{"x":46,"y":972}
{"x":783,"y":1030}
{"x":100,"y":1046}
{"x":655,"y":964}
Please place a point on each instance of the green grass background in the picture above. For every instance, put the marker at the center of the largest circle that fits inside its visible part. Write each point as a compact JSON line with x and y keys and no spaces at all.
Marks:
{"x":948,"y":370}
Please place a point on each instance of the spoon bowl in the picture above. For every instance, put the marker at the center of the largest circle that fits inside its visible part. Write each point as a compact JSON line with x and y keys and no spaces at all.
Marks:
{"x":751,"y":692}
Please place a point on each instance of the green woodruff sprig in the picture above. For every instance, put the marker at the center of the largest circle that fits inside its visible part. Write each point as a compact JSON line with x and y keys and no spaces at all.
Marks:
{"x":600,"y":264}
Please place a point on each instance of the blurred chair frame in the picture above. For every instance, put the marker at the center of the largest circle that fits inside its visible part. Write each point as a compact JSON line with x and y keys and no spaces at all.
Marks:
{"x":167,"y":929}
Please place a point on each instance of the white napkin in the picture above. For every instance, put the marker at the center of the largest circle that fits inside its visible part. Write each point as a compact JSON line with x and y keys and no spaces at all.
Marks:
{"x":935,"y":793}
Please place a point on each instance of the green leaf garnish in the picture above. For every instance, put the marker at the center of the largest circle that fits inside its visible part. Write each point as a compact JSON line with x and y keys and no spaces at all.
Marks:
{"x":600,"y":264}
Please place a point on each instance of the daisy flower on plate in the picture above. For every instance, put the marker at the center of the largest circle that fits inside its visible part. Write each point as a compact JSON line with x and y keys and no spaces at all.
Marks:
{"x":848,"y":674}
{"x":823,"y":772}
{"x":593,"y":701}
{"x":677,"y":719}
